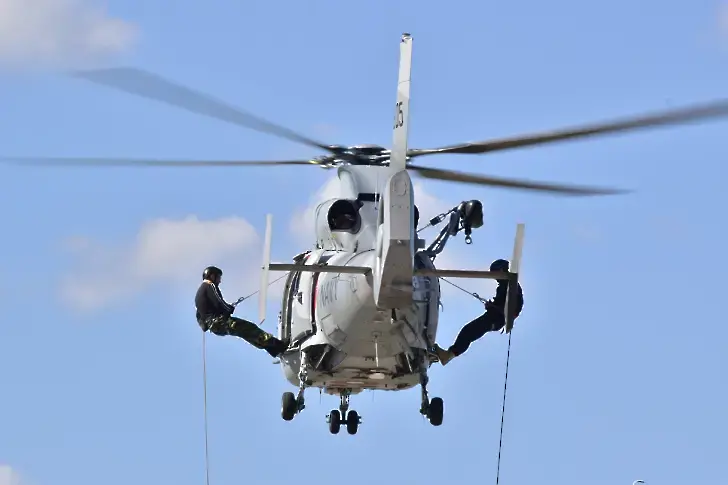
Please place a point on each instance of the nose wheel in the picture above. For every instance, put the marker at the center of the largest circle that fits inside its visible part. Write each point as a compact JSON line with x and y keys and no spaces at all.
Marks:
{"x":291,"y":405}
{"x":337,"y":417}
{"x":435,"y":411}
{"x":433,"y":408}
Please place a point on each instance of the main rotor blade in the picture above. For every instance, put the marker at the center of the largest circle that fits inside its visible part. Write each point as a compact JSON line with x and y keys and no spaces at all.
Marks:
{"x":452,"y":176}
{"x":682,"y":115}
{"x":141,"y":162}
{"x":152,"y":86}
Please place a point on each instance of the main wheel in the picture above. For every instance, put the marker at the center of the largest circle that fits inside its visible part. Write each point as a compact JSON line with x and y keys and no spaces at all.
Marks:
{"x":289,"y":406}
{"x":334,"y":421}
{"x":352,"y":422}
{"x":435,"y":411}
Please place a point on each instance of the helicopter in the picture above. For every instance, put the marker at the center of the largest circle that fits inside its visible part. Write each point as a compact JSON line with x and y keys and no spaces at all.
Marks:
{"x":361,"y":307}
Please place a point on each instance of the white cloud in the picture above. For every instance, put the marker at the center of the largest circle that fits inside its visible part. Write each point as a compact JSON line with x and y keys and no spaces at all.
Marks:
{"x":59,"y":33}
{"x":8,"y":476}
{"x":166,"y":254}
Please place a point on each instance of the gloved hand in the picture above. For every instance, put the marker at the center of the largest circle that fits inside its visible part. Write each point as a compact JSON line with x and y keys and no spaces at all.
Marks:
{"x":490,"y":305}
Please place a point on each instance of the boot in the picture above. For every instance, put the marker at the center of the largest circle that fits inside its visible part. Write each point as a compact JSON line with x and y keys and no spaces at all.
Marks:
{"x":276,"y":347}
{"x":444,"y":356}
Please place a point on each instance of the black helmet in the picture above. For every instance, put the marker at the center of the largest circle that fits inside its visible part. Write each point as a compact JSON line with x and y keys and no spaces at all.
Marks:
{"x":499,"y":265}
{"x":211,"y":271}
{"x":471,"y":213}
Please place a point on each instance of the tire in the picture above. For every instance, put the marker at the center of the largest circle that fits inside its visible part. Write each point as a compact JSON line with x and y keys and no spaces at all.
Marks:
{"x":352,"y":422}
{"x":289,"y":406}
{"x":335,"y":421}
{"x":435,"y":412}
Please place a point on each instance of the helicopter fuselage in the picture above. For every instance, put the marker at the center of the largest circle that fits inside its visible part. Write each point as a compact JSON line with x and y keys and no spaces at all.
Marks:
{"x":350,"y":343}
{"x":332,"y":318}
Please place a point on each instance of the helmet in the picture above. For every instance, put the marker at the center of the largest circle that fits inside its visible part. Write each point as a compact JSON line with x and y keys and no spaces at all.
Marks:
{"x":211,"y":271}
{"x":471,"y":213}
{"x":499,"y":265}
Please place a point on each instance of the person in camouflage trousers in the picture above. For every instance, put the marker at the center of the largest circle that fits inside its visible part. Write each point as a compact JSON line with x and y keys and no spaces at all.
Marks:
{"x":214,"y":314}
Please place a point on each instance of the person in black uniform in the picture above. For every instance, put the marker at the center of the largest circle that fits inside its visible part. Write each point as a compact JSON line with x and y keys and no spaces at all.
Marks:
{"x":493,"y":319}
{"x":215,"y":314}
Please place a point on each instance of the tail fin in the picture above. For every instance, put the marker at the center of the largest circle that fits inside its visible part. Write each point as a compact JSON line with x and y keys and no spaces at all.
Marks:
{"x":263,"y":295}
{"x":514,"y":270}
{"x":396,"y":232}
{"x":398,"y":155}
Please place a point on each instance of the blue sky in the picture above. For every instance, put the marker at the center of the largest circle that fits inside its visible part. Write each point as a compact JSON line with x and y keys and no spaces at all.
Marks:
{"x":617,"y":362}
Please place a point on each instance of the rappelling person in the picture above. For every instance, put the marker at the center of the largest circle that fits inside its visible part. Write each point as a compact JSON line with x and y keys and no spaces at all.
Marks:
{"x":493,"y":319}
{"x":215,"y":314}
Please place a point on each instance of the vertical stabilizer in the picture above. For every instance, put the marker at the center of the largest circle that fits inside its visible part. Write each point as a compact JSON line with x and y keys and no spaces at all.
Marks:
{"x":265,"y":268}
{"x":514,"y":270}
{"x":398,"y":156}
{"x":396,"y":232}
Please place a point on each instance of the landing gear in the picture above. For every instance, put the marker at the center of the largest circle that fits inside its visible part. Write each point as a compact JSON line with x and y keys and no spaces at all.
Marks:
{"x":435,"y":411}
{"x":352,"y":422}
{"x":431,"y":408}
{"x":334,"y":420}
{"x":290,"y":404}
{"x":340,"y":416}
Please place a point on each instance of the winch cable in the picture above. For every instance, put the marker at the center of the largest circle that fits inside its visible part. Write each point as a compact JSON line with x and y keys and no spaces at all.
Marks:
{"x":474,"y":295}
{"x":505,"y":383}
{"x":204,"y":385}
{"x":269,"y":285}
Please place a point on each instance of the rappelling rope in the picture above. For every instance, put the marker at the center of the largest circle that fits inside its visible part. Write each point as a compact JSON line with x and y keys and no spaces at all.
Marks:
{"x":503,"y":411}
{"x":505,"y":381}
{"x":204,"y":385}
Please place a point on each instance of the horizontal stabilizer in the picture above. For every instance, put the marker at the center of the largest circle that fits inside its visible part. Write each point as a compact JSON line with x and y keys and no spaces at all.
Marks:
{"x":316,"y":268}
{"x":440,"y":273}
{"x":461,"y":273}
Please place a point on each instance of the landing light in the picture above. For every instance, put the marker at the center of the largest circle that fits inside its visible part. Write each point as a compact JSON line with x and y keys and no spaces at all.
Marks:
{"x":377,"y":375}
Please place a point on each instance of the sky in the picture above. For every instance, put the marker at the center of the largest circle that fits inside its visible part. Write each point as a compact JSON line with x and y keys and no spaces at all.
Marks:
{"x":618,"y":361}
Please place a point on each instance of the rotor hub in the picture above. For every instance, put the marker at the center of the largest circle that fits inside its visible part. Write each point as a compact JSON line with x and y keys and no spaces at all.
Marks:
{"x":367,"y":154}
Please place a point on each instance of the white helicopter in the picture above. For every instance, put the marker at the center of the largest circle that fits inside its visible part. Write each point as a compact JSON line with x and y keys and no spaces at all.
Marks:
{"x":361,"y":308}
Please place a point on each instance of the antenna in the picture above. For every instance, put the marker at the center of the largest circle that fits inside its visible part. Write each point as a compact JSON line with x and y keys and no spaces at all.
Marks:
{"x":263,"y":294}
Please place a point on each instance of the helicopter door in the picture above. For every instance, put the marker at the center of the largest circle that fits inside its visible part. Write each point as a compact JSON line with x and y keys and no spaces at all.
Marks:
{"x":427,"y":295}
{"x":301,"y":326}
{"x":289,"y":292}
